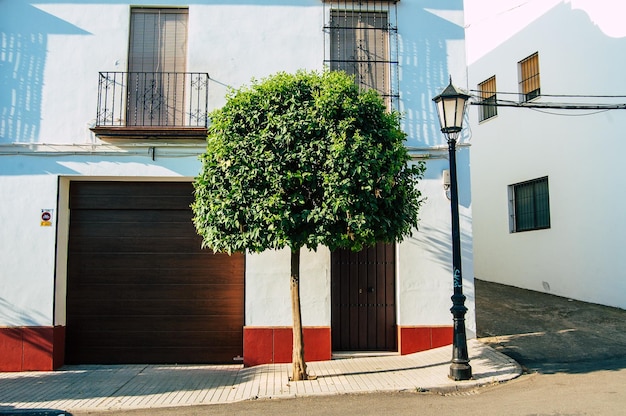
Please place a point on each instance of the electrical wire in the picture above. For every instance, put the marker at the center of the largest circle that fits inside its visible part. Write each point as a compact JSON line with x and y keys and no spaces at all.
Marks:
{"x":550,"y":95}
{"x":480,"y":101}
{"x":487,"y":98}
{"x":569,"y":115}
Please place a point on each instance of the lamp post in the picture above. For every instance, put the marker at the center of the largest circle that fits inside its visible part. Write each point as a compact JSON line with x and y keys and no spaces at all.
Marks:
{"x":451,"y":109}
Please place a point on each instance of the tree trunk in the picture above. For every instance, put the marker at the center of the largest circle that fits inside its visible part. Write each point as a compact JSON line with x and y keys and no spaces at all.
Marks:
{"x":299,"y":366}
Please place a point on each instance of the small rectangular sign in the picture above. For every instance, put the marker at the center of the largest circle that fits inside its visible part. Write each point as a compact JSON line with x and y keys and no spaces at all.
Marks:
{"x":46,"y":217}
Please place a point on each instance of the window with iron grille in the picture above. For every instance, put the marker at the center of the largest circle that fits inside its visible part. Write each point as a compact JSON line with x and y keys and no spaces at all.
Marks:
{"x":362,"y":40}
{"x":529,"y":205}
{"x":487,"y":90}
{"x":529,"y":77}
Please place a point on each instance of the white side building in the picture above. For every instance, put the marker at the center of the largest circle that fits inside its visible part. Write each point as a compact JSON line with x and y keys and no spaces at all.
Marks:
{"x":102,"y":119}
{"x":546,"y":182}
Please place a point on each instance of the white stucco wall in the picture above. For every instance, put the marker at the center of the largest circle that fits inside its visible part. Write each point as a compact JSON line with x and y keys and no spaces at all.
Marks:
{"x":579,"y":256}
{"x":268,"y":296}
{"x":425,"y":259}
{"x":51,"y":61}
{"x":28,"y":255}
{"x":279,"y":36}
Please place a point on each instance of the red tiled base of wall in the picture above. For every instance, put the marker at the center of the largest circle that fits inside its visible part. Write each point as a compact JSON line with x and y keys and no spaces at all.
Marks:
{"x":265,"y":345}
{"x":421,"y":338}
{"x":32,"y":348}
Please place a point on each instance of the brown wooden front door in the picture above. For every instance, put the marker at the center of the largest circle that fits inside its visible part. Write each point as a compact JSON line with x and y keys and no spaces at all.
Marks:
{"x":363,"y":299}
{"x":139,"y":288}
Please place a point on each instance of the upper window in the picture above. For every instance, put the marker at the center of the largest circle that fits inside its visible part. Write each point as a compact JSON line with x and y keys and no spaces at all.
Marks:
{"x":529,"y":205}
{"x":487,"y":91}
{"x":156,"y":66}
{"x":362,"y":41}
{"x":529,"y":77}
{"x":155,"y":97}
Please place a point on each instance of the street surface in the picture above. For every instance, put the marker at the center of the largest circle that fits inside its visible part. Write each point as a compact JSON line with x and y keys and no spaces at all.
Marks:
{"x":550,"y":334}
{"x":573,"y":353}
{"x":596,"y":393}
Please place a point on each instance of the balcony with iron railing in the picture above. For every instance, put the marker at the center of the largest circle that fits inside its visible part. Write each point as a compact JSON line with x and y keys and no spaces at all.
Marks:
{"x":152,"y":105}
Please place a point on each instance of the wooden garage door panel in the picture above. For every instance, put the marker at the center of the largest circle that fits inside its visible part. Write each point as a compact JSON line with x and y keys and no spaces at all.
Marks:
{"x":151,"y":323}
{"x":129,"y":229}
{"x":140,"y":288}
{"x":164,"y":339}
{"x":86,"y":216}
{"x":144,"y":202}
{"x":216,"y":306}
{"x":134,"y":245}
{"x":148,"y":260}
{"x":218,"y":275}
{"x":130,"y":195}
{"x":175,"y":307}
{"x":150,"y":291}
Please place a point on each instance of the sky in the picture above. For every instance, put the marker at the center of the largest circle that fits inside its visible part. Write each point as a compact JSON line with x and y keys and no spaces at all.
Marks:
{"x":490,"y":23}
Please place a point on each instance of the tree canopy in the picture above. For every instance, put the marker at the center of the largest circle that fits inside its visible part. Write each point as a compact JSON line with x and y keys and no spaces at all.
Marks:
{"x":302,"y":160}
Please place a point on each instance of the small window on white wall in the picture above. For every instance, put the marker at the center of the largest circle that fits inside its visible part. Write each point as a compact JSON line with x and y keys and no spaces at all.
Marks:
{"x":530,"y":86}
{"x":488,"y":99}
{"x":529,"y":205}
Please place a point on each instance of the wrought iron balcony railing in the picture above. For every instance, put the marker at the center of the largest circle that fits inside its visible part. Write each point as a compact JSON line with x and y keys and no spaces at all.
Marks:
{"x":153,"y":100}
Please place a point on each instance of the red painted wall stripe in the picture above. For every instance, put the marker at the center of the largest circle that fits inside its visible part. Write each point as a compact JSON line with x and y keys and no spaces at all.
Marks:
{"x":421,"y":338}
{"x":267,"y":345}
{"x":38,"y":348}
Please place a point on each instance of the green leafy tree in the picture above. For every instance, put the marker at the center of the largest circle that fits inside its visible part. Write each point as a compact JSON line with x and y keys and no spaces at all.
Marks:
{"x":303,"y":160}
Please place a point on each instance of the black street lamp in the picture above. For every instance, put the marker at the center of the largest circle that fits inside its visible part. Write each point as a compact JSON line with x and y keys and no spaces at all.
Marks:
{"x":451,"y":109}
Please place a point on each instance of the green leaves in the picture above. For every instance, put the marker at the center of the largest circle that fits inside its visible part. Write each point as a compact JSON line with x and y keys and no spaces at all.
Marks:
{"x":301,"y":160}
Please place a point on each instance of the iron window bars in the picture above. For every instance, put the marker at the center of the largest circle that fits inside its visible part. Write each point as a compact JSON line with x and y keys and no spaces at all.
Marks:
{"x":362,"y":40}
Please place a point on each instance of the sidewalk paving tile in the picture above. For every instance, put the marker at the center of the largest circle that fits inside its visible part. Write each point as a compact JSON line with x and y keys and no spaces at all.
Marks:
{"x":100,"y":387}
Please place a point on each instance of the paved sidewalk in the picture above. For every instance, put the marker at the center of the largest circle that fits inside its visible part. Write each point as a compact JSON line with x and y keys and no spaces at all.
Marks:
{"x":148,"y":386}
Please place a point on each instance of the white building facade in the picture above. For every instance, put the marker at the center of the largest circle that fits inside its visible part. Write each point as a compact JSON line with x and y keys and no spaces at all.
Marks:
{"x":102,"y":119}
{"x":546,"y":180}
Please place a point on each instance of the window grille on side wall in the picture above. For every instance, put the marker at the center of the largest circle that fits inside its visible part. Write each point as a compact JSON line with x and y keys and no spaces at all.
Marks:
{"x":530,"y":86}
{"x":529,"y":205}
{"x":487,"y":90}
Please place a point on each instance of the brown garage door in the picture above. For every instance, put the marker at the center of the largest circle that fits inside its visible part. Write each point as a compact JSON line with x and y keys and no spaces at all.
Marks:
{"x":139,"y":287}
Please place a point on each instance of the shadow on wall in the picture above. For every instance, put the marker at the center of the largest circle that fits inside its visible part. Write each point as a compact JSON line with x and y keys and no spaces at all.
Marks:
{"x":463,"y":176}
{"x":14,"y":316}
{"x":424,"y":41}
{"x":23,"y":47}
{"x":435,"y":168}
{"x":437,"y":242}
{"x":436,"y":239}
{"x":423,"y":62}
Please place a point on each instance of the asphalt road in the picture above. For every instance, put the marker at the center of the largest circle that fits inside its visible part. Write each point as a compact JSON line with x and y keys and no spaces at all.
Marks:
{"x":550,"y":334}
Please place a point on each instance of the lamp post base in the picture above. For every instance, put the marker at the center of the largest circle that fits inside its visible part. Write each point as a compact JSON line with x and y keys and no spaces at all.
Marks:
{"x":459,"y":365}
{"x":460,"y":371}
